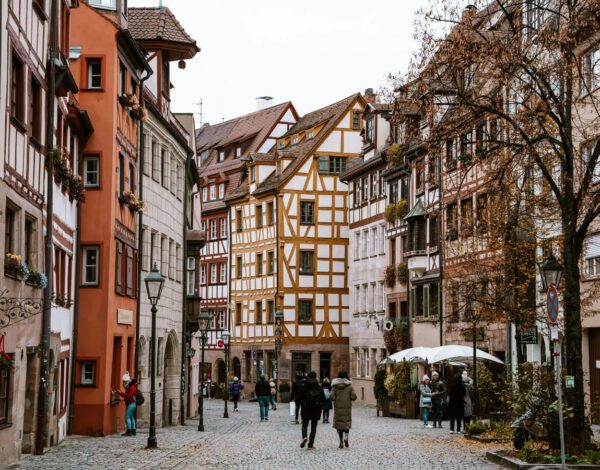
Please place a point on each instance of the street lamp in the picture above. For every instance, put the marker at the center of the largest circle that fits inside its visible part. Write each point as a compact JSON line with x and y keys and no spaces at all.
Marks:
{"x":278,"y":344}
{"x":225,"y":337}
{"x":551,"y":272}
{"x":154,"y":286}
{"x":204,"y":320}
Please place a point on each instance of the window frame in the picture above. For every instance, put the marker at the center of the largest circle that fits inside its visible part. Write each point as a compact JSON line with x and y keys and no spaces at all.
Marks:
{"x":83,"y":382}
{"x":304,"y":219}
{"x":84,"y":281}
{"x":303,"y":320}
{"x":91,"y":76}
{"x":87,"y":158}
{"x":304,"y":255}
{"x":17,"y":95}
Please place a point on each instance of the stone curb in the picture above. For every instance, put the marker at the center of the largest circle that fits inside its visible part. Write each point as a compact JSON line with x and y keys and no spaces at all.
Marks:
{"x":487,"y":440}
{"x":516,"y":464}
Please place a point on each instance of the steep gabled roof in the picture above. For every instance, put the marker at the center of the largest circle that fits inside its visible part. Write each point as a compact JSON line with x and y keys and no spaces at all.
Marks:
{"x":329,"y":115}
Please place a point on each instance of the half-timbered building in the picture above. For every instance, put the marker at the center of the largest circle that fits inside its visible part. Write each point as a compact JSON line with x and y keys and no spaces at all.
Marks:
{"x":289,"y":247}
{"x":222,"y":150}
{"x":367,"y":260}
{"x":108,"y":68}
{"x":167,"y":148}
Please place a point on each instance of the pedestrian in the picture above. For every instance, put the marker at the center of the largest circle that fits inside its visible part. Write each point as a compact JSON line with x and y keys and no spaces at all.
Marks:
{"x":342,"y":396}
{"x":236,"y":388}
{"x":298,"y":393}
{"x":425,"y":400}
{"x":468,"y":381}
{"x":262,"y":390}
{"x":312,"y":405}
{"x":326,"y":386}
{"x":128,"y":395}
{"x":456,"y":402}
{"x":438,"y":396}
{"x":273,"y":386}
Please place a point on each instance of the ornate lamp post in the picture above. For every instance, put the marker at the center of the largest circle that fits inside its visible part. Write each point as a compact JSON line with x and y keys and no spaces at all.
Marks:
{"x":278,"y":344}
{"x":204,"y":324}
{"x":551,"y":273}
{"x":154,"y":285}
{"x":225,"y":336}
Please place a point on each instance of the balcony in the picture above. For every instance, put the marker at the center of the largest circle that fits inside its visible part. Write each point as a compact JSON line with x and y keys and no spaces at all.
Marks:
{"x":418,"y":261}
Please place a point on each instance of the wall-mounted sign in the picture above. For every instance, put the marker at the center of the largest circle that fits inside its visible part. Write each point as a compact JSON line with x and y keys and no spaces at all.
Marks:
{"x":570,"y":381}
{"x":124,"y":317}
{"x":529,"y":336}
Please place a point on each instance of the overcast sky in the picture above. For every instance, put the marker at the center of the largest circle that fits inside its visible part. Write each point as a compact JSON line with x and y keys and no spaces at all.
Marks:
{"x":312,"y":52}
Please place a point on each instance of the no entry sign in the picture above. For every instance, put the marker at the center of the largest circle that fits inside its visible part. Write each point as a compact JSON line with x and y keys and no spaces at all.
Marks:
{"x":220,"y":343}
{"x":552,"y":304}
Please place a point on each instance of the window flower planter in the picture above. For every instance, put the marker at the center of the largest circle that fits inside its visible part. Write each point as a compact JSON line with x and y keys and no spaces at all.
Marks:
{"x":390,"y":276}
{"x":15,"y":268}
{"x":37,"y":279}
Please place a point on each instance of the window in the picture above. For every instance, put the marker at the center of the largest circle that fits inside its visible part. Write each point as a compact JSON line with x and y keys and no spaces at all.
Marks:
{"x":270,"y":213}
{"x":17,"y":90}
{"x":466,"y":216}
{"x":238,"y":220}
{"x":357,"y":245}
{"x":332,"y":165}
{"x":203,"y":274}
{"x":373,"y":248}
{"x":238,"y":151}
{"x":258,"y":317}
{"x":590,"y":71}
{"x":221,"y":157}
{"x":166,"y":82}
{"x":358,"y":362}
{"x":305,"y":311}
{"x":307,"y":210}
{"x":259,"y":264}
{"x":393,"y":195}
{"x":259,"y":217}
{"x":91,"y":171}
{"x":164,"y":168}
{"x":295,"y":140}
{"x":434,"y":235}
{"x":592,"y":266}
{"x":370,"y":130}
{"x":365,"y":244}
{"x":132,"y":185}
{"x":221,"y":194}
{"x":222,"y":273}
{"x":213,"y":273}
{"x":356,"y":193}
{"x":205,"y":194}
{"x":451,"y":220}
{"x":480,"y":144}
{"x":420,"y":176}
{"x":88,"y":372}
{"x":270,"y":262}
{"x":309,"y":135}
{"x":90,"y":266}
{"x":121,"y":174}
{"x":238,"y":267}
{"x":109,"y":4}
{"x":253,"y":174}
{"x":213,"y":229}
{"x":191,"y":276}
{"x":482,"y":212}
{"x":155,"y":161}
{"x":29,"y":240}
{"x":465,"y":148}
{"x":451,"y":154}
{"x":94,"y":71}
{"x":382,"y":239}
{"x":356,"y":299}
{"x":356,"y":120}
{"x":433,"y":170}
{"x":119,"y":268}
{"x":173,"y":165}
{"x":270,"y":311}
{"x":365,"y":187}
{"x":222,"y":321}
{"x":122,"y":79}
{"x":35,"y":109}
{"x":306,"y":262}
{"x":223,"y":228}
{"x":129,"y":285}
{"x":238,"y":313}
{"x":212,"y":192}
{"x":10,"y":245}
{"x":434,"y":300}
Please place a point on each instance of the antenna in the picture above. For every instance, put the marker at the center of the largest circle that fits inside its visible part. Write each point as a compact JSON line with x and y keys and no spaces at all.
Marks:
{"x":200,"y":116}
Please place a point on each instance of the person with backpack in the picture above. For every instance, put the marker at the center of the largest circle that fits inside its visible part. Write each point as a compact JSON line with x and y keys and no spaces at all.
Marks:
{"x":327,"y":401}
{"x":236,"y":388}
{"x":312,"y":405}
{"x":342,"y":396}
{"x":273,"y":386}
{"x":298,"y":393}
{"x":129,"y":396}
{"x":262,"y":390}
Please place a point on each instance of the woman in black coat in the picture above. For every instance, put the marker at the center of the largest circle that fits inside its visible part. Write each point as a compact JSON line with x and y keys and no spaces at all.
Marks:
{"x":456,"y":406}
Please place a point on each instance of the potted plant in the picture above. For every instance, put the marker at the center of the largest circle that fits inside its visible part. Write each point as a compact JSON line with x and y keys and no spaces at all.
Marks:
{"x":398,"y":388}
{"x":76,"y":188}
{"x":36,"y":278}
{"x":381,"y":393}
{"x":401,"y":209}
{"x":139,"y":112}
{"x":14,"y":267}
{"x":285,"y":392}
{"x":402,"y":273}
{"x":128,"y":100}
{"x":396,"y":155}
{"x":135,"y":204}
{"x":390,"y":276}
{"x":390,"y":214}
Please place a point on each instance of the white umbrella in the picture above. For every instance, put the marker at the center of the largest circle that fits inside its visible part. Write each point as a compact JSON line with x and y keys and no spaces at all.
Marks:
{"x":412,"y":354}
{"x":460,"y":353}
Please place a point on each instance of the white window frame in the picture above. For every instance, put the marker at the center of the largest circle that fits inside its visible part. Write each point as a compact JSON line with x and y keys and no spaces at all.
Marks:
{"x":213,"y":229}
{"x":357,"y":245}
{"x":223,"y":273}
{"x":221,"y":190}
{"x":191,"y":275}
{"x":203,"y":274}
{"x":84,"y":280}
{"x":86,"y":160}
{"x":213,"y":192}
{"x":88,"y":371}
{"x":223,"y":227}
{"x":213,"y":273}
{"x":91,"y":76}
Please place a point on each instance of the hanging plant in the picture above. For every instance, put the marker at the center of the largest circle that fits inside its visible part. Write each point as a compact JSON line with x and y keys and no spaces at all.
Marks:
{"x":76,"y":188}
{"x":401,"y":209}
{"x":390,"y":276}
{"x":402,"y":273}
{"x":129,"y":100}
{"x":390,"y":214}
{"x":37,"y":279}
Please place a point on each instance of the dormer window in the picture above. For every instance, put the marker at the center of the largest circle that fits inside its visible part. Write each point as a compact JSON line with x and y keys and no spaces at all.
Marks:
{"x":221,"y":156}
{"x":370,"y":130}
{"x":294,"y":140}
{"x":309,"y":135}
{"x":356,"y":120}
{"x":281,"y":144}
{"x":252,"y":174}
{"x":238,"y":151}
{"x":166,"y":82}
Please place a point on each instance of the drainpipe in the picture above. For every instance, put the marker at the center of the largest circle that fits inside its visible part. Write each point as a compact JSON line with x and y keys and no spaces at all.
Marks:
{"x":186,"y":196}
{"x":441,"y":253}
{"x":140,"y":257}
{"x":278,"y":355}
{"x":40,"y":437}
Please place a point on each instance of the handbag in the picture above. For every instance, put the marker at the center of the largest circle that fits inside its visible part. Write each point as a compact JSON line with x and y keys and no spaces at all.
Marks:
{"x":426,"y":400}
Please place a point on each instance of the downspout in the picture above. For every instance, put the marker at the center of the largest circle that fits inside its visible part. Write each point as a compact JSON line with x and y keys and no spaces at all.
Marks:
{"x":140,"y":253}
{"x":186,"y":195}
{"x":278,"y":355}
{"x":441,"y":252}
{"x":229,"y":273}
{"x":48,"y":264}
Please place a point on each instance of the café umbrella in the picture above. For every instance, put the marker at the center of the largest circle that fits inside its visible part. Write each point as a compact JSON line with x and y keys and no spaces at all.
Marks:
{"x":459,"y":353}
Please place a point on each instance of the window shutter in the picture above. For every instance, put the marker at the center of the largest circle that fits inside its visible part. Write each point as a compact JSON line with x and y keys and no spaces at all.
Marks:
{"x":323,"y":164}
{"x":592,"y":246}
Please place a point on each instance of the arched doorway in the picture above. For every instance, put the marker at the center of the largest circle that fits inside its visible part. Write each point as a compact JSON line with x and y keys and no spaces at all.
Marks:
{"x":221,"y":372}
{"x":237,"y":367}
{"x":171,"y":379}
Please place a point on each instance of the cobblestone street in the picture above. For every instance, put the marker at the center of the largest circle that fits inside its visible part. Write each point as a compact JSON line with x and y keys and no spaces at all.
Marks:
{"x":243,"y":442}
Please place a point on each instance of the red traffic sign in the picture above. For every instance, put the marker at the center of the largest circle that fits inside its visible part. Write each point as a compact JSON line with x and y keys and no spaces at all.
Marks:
{"x":552,"y":304}
{"x":220,"y":343}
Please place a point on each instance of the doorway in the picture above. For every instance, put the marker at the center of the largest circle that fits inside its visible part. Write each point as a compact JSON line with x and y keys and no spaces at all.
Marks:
{"x":300,"y":363}
{"x":324,"y":366}
{"x":237,"y":368}
{"x":221,"y":372}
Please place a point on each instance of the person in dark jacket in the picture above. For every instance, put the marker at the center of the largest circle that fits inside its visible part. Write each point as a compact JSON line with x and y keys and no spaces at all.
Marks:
{"x":263,"y":393}
{"x":438,"y":395}
{"x":236,"y":388}
{"x":327,"y":399}
{"x":312,"y":404}
{"x":298,"y":393}
{"x":129,"y":395}
{"x":456,"y":402}
{"x":342,"y":396}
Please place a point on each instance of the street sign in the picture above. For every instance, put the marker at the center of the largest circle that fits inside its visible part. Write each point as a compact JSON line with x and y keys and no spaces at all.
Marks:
{"x":530,"y":336}
{"x":220,"y":343}
{"x":552,"y":304}
{"x":554,"y":332}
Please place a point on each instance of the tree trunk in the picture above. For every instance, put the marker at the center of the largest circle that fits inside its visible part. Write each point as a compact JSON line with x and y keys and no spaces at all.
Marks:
{"x":577,"y":431}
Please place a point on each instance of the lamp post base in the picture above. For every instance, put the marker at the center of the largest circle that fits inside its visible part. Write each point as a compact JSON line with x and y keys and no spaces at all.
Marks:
{"x":152,"y":442}
{"x":226,"y":415}
{"x":201,"y":427}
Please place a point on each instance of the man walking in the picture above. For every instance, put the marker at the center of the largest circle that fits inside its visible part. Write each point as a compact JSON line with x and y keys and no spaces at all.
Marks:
{"x":311,"y":409}
{"x":236,"y":389}
{"x":298,"y":393}
{"x":438,"y":395}
{"x":263,"y":393}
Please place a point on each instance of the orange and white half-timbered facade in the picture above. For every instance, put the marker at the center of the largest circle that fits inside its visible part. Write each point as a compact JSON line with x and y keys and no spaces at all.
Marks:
{"x":289,"y":248}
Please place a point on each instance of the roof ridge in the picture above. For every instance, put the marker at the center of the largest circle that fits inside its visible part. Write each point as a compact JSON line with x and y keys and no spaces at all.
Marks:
{"x":229,"y":121}
{"x":354,"y":95}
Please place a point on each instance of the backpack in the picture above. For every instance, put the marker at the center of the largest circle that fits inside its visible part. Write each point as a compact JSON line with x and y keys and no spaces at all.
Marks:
{"x":313,"y":396}
{"x":139,"y":397}
{"x":327,"y":393}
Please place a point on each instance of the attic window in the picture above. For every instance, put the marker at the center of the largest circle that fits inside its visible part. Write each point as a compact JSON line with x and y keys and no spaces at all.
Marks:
{"x":294,"y":140}
{"x":252,"y":174}
{"x":238,"y":151}
{"x":356,"y":120}
{"x":281,"y":144}
{"x":221,"y":155}
{"x":309,"y":135}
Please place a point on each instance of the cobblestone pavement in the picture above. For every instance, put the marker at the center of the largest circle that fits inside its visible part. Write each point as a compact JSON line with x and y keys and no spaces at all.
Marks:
{"x":243,"y":442}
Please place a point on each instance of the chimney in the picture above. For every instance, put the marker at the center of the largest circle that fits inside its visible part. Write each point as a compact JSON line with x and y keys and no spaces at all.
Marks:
{"x":468,"y":13}
{"x":263,"y":102}
{"x":370,"y":96}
